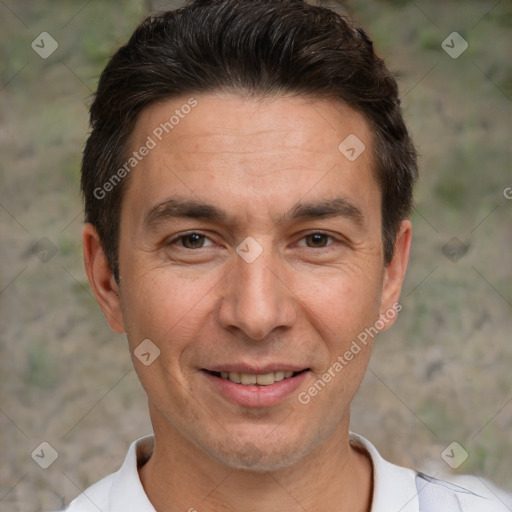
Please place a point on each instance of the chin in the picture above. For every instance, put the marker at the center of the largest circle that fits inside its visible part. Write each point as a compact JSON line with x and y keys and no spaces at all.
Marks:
{"x":262,"y":456}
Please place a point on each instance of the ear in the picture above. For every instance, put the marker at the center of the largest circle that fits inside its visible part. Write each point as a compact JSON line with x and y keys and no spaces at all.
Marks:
{"x":395,"y":273}
{"x":101,"y":278}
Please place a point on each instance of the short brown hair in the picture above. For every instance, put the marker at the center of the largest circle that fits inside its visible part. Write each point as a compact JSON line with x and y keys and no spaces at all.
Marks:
{"x":260,"y":47}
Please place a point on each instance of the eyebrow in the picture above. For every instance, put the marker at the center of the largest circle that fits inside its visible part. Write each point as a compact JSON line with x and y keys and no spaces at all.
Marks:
{"x":174,"y":208}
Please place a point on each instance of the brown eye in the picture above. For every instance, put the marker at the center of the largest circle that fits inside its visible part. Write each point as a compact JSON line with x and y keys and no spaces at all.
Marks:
{"x":192,"y":241}
{"x":317,"y":240}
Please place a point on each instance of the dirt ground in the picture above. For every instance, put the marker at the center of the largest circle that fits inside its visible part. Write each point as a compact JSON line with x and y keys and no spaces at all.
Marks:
{"x":443,"y":374}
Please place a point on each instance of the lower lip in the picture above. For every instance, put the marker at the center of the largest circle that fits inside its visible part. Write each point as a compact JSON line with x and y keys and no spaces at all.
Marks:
{"x":256,"y":396}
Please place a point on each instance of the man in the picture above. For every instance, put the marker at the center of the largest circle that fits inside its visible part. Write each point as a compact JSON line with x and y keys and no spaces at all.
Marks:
{"x":247,"y":184}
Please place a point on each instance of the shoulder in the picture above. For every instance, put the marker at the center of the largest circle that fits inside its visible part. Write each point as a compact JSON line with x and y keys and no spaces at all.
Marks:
{"x":122,"y":490}
{"x":465,"y":494}
{"x":411,"y":491}
{"x":94,"y":498}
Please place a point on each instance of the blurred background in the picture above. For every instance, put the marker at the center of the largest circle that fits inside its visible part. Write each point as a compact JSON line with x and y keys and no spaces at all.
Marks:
{"x":442,"y":375}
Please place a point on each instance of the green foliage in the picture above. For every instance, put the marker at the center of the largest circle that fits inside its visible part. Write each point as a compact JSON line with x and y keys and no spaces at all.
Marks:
{"x":428,"y":38}
{"x":436,"y":413}
{"x":452,"y":189}
{"x":41,"y":368}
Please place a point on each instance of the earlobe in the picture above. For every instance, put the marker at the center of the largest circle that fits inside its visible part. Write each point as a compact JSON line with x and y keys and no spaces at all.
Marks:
{"x":101,"y":278}
{"x":395,"y":270}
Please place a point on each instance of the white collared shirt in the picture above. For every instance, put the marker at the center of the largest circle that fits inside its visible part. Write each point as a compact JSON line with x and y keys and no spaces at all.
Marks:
{"x":395,"y":489}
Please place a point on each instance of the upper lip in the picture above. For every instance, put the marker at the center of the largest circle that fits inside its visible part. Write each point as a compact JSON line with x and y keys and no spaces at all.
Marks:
{"x":253,"y":369}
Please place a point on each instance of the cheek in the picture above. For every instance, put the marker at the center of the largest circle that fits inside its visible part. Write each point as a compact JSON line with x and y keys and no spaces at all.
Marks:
{"x":169,"y":312}
{"x":162,"y":306}
{"x":342,"y":303}
{"x":340,"y":309}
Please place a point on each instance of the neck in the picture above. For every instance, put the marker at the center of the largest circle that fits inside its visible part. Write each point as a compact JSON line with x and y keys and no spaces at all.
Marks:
{"x":180,"y":476}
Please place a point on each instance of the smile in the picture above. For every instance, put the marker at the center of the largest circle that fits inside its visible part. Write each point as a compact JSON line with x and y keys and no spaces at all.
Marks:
{"x":263,"y":388}
{"x":248,"y":379}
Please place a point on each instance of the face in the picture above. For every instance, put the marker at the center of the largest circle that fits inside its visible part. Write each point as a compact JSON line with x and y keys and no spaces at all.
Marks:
{"x":251,"y":257}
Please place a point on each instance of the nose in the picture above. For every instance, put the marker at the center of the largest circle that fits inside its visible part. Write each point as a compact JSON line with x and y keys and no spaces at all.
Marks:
{"x":258,"y":297}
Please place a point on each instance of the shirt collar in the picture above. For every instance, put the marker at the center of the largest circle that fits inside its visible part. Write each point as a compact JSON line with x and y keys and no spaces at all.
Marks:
{"x":394,"y":487}
{"x":127,"y":493}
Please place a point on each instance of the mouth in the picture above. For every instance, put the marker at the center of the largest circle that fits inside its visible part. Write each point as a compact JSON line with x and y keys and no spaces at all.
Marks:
{"x":256,"y":388}
{"x":260,"y":379}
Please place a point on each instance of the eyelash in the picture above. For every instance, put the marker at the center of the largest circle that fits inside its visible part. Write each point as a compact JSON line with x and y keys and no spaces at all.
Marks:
{"x":179,"y":238}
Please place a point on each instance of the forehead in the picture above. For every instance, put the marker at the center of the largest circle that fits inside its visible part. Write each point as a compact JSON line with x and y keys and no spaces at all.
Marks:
{"x":243,"y":122}
{"x":250,"y":149}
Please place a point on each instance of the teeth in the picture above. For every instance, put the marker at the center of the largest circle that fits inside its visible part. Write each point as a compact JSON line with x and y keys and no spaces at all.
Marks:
{"x":266,"y":379}
{"x":247,"y":379}
{"x":278,"y":376}
{"x":235,"y":377}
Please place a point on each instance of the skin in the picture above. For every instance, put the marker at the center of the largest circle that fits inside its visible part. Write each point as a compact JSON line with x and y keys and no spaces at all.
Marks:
{"x":302,"y":301}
